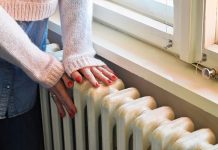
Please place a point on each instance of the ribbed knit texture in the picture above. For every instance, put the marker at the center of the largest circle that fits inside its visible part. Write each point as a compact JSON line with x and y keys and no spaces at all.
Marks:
{"x":29,"y":10}
{"x":77,"y":30}
{"x":16,"y":47}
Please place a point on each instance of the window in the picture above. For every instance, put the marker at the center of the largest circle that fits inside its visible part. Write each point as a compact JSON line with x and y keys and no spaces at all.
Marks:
{"x":185,"y":28}
{"x":159,"y":10}
{"x":147,"y":20}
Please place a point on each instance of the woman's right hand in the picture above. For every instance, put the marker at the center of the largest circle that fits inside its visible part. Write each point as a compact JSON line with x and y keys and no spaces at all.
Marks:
{"x":62,"y":98}
{"x":94,"y":74}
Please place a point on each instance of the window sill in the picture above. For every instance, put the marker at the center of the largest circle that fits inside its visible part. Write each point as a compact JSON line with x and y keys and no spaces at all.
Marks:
{"x":152,"y":64}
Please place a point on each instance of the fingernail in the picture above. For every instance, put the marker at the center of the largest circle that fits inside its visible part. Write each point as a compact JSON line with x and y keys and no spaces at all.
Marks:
{"x":78,"y":79}
{"x":109,"y":81}
{"x":71,"y":114}
{"x":62,"y":115}
{"x":97,"y":84}
{"x":113,"y":77}
{"x":70,"y":84}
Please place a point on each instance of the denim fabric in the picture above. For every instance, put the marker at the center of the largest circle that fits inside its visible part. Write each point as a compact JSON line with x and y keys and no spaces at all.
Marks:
{"x":17,"y":91}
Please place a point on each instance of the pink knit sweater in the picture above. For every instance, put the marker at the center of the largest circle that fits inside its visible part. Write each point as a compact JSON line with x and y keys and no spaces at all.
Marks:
{"x":16,"y":47}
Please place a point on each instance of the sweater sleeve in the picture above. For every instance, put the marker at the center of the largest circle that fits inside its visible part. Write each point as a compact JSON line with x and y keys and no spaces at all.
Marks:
{"x":17,"y":48}
{"x":76,"y":23}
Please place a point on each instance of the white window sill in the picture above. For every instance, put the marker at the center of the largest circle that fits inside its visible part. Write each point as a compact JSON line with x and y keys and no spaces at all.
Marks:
{"x":154,"y":65}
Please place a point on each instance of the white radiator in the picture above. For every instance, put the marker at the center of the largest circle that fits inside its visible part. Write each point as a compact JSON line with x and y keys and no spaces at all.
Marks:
{"x":114,"y":118}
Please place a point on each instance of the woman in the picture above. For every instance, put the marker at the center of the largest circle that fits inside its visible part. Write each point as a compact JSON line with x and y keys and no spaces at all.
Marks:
{"x":23,"y":32}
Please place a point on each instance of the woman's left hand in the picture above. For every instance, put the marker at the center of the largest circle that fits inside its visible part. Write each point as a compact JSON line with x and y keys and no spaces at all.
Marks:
{"x":102,"y":73}
{"x":61,"y":97}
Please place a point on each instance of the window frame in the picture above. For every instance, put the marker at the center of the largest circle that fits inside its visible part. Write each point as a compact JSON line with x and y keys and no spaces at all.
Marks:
{"x":139,"y":26}
{"x":187,"y":38}
{"x":152,"y":8}
{"x":189,"y":19}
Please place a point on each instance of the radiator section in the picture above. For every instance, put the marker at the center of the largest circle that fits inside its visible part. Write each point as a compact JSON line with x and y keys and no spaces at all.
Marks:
{"x":118,"y":118}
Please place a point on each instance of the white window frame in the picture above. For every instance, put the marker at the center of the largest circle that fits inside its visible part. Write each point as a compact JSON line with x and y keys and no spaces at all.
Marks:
{"x":187,"y":39}
{"x":188,"y":29}
{"x":134,"y":24}
{"x":152,"y":8}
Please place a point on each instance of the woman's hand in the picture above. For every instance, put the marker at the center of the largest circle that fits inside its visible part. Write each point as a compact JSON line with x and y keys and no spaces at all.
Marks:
{"x":62,"y":98}
{"x":103,"y":73}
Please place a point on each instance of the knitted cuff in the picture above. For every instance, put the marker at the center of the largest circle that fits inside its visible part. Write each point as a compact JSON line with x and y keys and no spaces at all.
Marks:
{"x":52,"y":75}
{"x":72,"y":63}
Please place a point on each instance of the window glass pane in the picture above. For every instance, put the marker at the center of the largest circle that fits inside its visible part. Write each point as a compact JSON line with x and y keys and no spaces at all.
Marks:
{"x":160,"y":10}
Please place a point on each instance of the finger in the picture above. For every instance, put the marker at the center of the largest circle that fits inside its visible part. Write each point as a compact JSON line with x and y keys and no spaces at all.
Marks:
{"x":89,"y":76}
{"x":70,"y":108}
{"x":98,"y":74}
{"x":67,"y":81}
{"x":77,"y":76}
{"x":68,"y":104}
{"x":59,"y":106}
{"x":108,"y":69}
{"x":61,"y":93}
{"x":108,"y":74}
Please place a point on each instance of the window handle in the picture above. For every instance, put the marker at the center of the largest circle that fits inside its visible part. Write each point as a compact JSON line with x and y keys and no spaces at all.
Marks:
{"x":208,"y":73}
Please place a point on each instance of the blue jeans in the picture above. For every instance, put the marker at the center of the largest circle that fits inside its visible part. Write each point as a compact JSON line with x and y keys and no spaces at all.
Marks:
{"x":17,"y":91}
